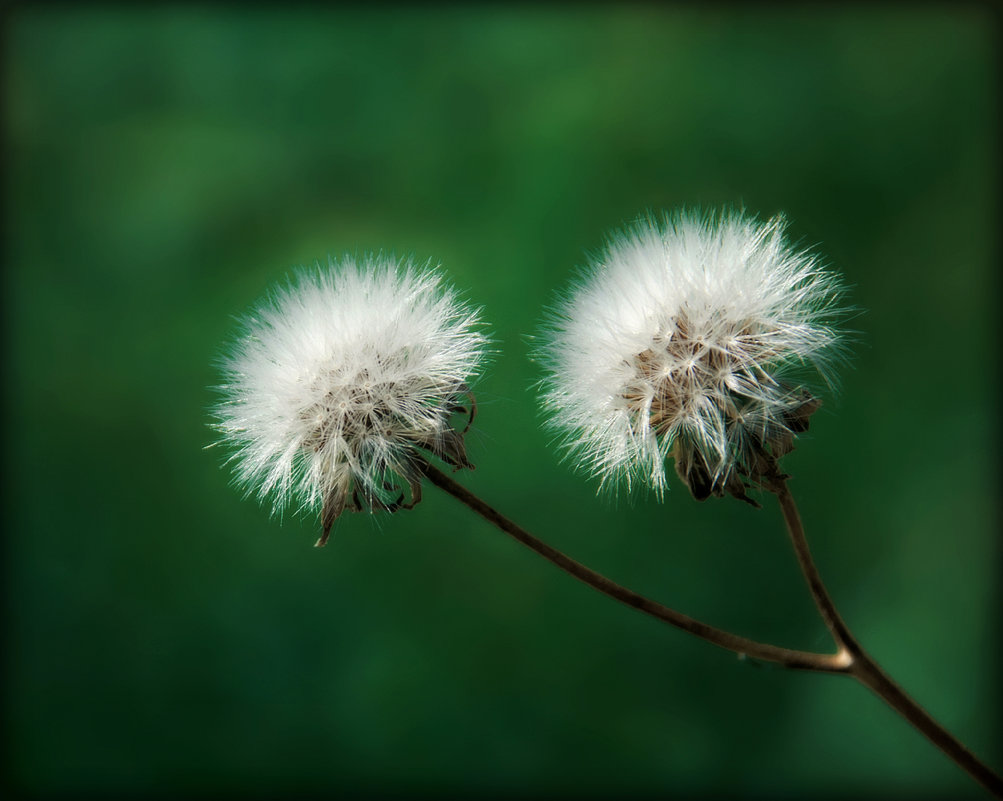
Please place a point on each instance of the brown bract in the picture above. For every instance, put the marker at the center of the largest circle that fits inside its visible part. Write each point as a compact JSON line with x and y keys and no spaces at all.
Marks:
{"x":370,"y":416}
{"x":684,"y":377}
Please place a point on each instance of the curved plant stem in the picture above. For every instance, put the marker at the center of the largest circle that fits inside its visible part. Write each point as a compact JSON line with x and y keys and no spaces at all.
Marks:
{"x":861,"y":665}
{"x":800,"y":660}
{"x":850,"y":659}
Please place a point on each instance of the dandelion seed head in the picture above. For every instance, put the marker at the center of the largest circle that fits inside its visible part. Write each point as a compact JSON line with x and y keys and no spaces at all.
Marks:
{"x":337,"y":378}
{"x":688,"y":335}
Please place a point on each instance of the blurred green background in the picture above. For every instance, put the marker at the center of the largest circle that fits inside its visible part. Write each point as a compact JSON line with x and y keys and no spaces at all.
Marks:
{"x":163,"y":166}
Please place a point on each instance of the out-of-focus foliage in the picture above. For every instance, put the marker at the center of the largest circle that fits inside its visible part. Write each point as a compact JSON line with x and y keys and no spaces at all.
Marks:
{"x":164,"y":165}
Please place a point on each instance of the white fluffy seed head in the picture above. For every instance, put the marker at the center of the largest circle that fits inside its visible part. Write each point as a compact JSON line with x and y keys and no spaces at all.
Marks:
{"x":686,"y":333}
{"x":337,"y":377}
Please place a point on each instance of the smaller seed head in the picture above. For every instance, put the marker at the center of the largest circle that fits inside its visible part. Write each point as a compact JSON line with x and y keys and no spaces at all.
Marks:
{"x":340,"y":379}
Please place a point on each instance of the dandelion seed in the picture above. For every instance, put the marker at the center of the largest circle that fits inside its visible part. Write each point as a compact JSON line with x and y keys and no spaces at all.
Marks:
{"x":342,"y":379}
{"x":685,"y":338}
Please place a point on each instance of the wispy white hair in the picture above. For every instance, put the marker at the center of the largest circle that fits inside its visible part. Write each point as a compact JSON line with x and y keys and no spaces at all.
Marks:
{"x":685,"y":329}
{"x":337,"y":376}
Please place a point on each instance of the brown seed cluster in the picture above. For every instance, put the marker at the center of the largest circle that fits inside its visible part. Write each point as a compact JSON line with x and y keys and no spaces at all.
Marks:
{"x":686,"y":383}
{"x":357,"y":415}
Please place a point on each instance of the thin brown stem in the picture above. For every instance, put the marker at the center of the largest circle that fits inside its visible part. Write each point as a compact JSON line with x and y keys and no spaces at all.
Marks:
{"x":827,"y":609}
{"x":800,"y":660}
{"x":862,"y":666}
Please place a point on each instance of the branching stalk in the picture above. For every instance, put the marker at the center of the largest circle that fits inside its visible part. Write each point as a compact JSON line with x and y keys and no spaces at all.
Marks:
{"x":862,"y":666}
{"x":850,"y":659}
{"x":799,"y":660}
